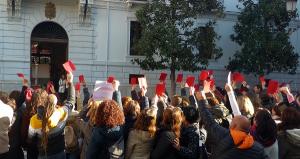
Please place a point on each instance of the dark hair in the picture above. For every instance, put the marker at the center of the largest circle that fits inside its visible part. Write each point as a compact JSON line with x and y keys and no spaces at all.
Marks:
{"x":109,"y":114}
{"x":258,"y":86}
{"x":265,"y":125}
{"x":290,"y":118}
{"x":15,"y":94}
{"x":191,"y":114}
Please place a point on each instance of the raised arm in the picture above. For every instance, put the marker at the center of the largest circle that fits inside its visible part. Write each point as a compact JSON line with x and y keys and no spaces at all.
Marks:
{"x":232,"y":100}
{"x":192,"y":98}
{"x":216,"y":131}
{"x":71,"y":93}
{"x":86,"y":94}
{"x":144,"y":101}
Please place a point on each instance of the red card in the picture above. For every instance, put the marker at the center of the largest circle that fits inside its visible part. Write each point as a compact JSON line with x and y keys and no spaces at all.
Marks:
{"x":273,"y":87}
{"x":163,"y":76}
{"x":261,"y":78}
{"x":203,"y":75}
{"x":210,"y":72}
{"x":179,"y":78}
{"x":160,"y":89}
{"x":81,"y":79}
{"x":238,"y":77}
{"x":133,"y":81}
{"x":110,"y":79}
{"x":190,"y":81}
{"x":69,"y":66}
{"x":20,"y":75}
{"x":197,"y":87}
{"x":77,"y":86}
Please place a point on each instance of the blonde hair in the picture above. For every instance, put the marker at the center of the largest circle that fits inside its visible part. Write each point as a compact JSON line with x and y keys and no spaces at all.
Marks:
{"x":48,"y":111}
{"x":245,"y":105}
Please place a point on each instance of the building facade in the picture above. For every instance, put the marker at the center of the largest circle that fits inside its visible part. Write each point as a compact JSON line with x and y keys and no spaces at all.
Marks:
{"x":37,"y":36}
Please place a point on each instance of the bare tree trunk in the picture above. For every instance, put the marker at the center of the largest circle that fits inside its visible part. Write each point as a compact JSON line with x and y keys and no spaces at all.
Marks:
{"x":173,"y":83}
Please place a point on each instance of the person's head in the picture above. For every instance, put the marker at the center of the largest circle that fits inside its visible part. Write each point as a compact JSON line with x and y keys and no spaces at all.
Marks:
{"x":6,"y":100}
{"x":125,"y":100}
{"x":185,"y":102}
{"x":109,"y":114}
{"x":276,"y":111}
{"x":47,"y":112}
{"x":257,"y":89}
{"x":39,"y":98}
{"x":240,"y":123}
{"x":132,"y":108}
{"x":245,"y":105}
{"x":176,"y":101}
{"x":147,"y":121}
{"x":172,"y":119}
{"x":15,"y":94}
{"x":191,"y":115}
{"x":4,"y":97}
{"x":265,"y":125}
{"x":290,"y":118}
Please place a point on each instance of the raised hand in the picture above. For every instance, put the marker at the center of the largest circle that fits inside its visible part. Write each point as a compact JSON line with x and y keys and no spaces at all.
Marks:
{"x":70,"y":77}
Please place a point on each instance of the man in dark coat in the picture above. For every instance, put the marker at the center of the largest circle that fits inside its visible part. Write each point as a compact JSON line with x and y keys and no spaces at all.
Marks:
{"x":233,"y":143}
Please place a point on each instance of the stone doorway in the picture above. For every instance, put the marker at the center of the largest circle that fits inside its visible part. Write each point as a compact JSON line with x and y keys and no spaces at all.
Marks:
{"x":49,"y":50}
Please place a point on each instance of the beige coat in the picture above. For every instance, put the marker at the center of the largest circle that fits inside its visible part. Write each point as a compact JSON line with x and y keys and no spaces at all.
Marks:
{"x":139,"y":145}
{"x":6,"y":116}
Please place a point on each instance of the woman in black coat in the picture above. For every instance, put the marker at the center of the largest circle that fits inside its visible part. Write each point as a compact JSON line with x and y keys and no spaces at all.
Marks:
{"x":171,"y":125}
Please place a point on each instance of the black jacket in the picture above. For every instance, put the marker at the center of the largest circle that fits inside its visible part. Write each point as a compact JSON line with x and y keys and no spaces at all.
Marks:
{"x":102,"y":138}
{"x":189,"y":142}
{"x":223,"y":146}
{"x":163,"y":146}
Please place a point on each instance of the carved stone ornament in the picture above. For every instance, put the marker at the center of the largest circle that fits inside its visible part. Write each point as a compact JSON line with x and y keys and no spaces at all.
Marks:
{"x":50,"y":10}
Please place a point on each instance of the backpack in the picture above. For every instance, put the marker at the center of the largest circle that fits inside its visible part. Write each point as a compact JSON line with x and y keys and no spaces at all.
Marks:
{"x":71,"y":142}
{"x":116,"y":151}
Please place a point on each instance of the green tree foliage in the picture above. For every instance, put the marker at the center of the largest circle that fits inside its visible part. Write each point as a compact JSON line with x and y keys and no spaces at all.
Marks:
{"x":263,"y":34}
{"x":172,"y":37}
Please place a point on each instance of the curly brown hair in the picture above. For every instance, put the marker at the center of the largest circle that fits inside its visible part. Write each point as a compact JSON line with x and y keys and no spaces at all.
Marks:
{"x":109,"y":114}
{"x":146,"y":121}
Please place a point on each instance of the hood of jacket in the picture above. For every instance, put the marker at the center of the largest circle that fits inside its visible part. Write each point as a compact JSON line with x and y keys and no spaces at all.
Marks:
{"x":111,"y":135}
{"x":241,"y":139}
{"x":293,"y":136}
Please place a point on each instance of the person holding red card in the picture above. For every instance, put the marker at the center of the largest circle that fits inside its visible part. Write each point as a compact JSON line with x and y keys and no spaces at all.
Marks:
{"x":141,"y":95}
{"x":49,"y":123}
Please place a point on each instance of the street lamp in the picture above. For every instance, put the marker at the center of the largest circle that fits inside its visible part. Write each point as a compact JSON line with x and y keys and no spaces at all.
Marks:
{"x":291,"y":5}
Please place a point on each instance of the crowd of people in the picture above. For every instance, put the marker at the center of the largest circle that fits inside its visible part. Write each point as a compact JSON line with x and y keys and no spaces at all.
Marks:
{"x":237,"y":121}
